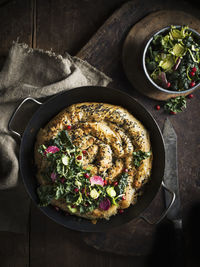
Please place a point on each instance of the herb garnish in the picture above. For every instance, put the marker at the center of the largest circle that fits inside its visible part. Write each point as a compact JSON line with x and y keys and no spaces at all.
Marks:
{"x":45,"y":193}
{"x":175,"y":104}
{"x":139,"y":156}
{"x":67,"y":180}
{"x":123,"y":182}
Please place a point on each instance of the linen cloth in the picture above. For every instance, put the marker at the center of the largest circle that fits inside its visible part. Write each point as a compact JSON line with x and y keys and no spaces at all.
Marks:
{"x":39,"y":74}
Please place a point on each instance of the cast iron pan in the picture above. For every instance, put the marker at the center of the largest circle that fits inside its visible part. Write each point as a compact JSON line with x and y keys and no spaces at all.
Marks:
{"x":91,"y":94}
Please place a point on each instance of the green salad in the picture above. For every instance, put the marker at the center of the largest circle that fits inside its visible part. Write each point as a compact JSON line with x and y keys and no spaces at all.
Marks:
{"x":67,"y":180}
{"x":173,"y":59}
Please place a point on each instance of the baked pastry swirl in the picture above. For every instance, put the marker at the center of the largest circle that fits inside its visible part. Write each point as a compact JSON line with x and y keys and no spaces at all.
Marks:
{"x":92,"y":160}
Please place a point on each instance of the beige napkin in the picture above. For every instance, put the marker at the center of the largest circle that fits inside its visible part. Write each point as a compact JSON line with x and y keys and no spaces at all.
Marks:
{"x":35,"y":73}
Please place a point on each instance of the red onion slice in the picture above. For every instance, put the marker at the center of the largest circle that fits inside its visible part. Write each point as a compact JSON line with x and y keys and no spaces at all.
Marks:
{"x":163,"y":79}
{"x":178,"y":61}
{"x":97,"y":180}
{"x":51,"y":149}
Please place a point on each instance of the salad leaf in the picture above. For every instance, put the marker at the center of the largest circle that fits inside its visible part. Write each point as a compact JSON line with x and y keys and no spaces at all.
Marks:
{"x":123,"y":182}
{"x":139,"y":156}
{"x":111,"y":191}
{"x":167,"y":63}
{"x":63,"y":138}
{"x":45,"y":193}
{"x":178,"y":50}
{"x":175,"y":104}
{"x":94,"y":193}
{"x":163,"y":79}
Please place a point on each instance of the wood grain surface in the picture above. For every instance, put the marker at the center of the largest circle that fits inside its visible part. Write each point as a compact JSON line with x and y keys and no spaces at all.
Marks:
{"x":137,"y":238}
{"x":16,"y":22}
{"x":66,"y":25}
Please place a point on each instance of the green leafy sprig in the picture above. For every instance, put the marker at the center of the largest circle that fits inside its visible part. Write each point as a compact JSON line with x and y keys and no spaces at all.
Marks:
{"x":71,"y":183}
{"x":123,"y":182}
{"x":176,"y":104}
{"x":139,"y":156}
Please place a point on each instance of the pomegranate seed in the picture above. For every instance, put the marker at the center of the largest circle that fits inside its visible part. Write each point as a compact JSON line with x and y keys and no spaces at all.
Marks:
{"x":84,"y":152}
{"x":172,"y":112}
{"x":190,"y":96}
{"x":73,"y":206}
{"x":115,"y":183}
{"x":79,"y":157}
{"x":62,"y":180}
{"x":83,"y":191}
{"x":157,"y":107}
{"x":69,"y":127}
{"x":123,"y":197}
{"x":105,"y":182}
{"x":76,"y":190}
{"x":121,"y":211}
{"x":86,"y":175}
{"x":192,"y":84}
{"x":125,"y":170}
{"x":194,"y":69}
{"x":192,"y":73}
{"x":168,"y":84}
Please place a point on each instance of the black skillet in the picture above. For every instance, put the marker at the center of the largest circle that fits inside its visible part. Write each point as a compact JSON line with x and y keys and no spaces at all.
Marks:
{"x":91,"y":94}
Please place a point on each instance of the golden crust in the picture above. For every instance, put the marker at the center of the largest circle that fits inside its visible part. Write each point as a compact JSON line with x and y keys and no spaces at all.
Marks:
{"x":108,"y":132}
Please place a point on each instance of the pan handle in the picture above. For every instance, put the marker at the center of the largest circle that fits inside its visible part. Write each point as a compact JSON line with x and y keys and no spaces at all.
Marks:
{"x":167,"y":209}
{"x":15,"y":112}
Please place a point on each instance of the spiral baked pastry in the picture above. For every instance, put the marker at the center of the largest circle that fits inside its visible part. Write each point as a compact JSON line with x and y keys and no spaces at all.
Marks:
{"x":110,"y":155}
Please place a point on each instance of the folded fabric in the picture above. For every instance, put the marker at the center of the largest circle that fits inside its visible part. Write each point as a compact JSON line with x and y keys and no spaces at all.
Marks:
{"x":35,"y":73}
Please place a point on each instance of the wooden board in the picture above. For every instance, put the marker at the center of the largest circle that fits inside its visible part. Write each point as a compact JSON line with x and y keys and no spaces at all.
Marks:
{"x":16,"y":22}
{"x":104,"y":52}
{"x":137,"y":238}
{"x":19,"y":27}
{"x":67,"y":25}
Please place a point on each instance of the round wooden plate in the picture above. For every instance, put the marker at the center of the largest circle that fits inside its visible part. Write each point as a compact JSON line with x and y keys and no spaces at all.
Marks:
{"x":136,"y":40}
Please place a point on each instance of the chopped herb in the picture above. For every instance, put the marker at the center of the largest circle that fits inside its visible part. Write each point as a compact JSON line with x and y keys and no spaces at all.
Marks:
{"x":139,"y":156}
{"x":176,"y":104}
{"x":41,"y":149}
{"x":63,"y":139}
{"x":70,"y":181}
{"x":123,"y":182}
{"x":45,"y":193}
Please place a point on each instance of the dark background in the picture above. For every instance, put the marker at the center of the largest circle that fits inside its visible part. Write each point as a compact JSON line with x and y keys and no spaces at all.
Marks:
{"x":67,"y":25}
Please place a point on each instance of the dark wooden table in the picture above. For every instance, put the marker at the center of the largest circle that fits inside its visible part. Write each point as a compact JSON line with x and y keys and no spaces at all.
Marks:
{"x":67,"y":25}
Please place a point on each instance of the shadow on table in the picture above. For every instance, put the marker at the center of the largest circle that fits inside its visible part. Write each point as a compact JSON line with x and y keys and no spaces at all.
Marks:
{"x":164,"y":252}
{"x":2,"y":61}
